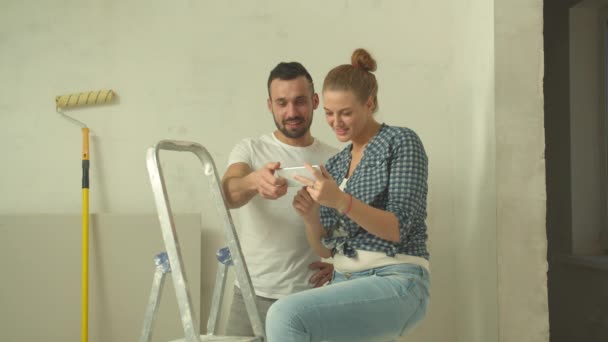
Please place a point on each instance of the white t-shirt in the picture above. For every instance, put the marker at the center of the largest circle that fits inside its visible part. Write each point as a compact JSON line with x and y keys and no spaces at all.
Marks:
{"x":271,"y":233}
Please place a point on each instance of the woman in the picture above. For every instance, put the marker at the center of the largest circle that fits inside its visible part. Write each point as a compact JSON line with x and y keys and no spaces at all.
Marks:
{"x":367,"y":210}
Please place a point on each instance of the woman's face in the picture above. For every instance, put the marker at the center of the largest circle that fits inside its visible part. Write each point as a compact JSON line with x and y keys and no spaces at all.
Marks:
{"x":345,"y":114}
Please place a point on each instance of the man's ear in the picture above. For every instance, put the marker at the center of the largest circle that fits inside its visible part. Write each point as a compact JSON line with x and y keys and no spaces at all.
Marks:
{"x":269,"y":103}
{"x":315,"y":101}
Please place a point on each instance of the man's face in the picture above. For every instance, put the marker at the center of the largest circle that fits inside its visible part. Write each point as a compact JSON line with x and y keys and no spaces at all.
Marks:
{"x":291,"y":103}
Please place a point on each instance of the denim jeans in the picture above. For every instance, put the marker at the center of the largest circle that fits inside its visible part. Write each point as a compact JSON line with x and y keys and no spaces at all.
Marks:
{"x":379,"y":304}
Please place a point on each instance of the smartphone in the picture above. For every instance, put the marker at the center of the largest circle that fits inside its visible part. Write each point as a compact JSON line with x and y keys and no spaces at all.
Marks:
{"x":289,"y":172}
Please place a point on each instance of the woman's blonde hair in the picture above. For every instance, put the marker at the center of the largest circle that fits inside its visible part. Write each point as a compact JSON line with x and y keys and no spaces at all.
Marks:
{"x":356,"y":77}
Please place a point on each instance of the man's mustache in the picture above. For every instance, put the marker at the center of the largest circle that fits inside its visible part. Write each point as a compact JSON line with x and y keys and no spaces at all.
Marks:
{"x":295,"y":120}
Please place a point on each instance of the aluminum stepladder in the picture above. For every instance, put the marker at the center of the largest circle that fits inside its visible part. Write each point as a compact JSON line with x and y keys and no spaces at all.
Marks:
{"x":171,"y":261}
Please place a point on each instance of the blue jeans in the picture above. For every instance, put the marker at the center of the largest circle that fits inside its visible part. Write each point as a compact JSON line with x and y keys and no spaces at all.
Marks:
{"x":379,"y":304}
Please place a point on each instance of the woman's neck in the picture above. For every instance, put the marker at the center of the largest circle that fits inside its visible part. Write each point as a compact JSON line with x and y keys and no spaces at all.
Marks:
{"x":366,"y":135}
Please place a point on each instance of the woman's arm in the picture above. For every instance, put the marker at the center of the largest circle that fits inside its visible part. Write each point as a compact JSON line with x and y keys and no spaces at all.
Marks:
{"x":379,"y":222}
{"x":314,"y":233}
{"x":308,"y":209}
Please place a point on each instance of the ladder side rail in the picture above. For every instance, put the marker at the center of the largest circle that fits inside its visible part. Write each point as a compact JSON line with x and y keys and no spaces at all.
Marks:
{"x":216,"y":299}
{"x":169,"y":234}
{"x":153,"y":302}
{"x":241,"y":271}
{"x":240,"y":265}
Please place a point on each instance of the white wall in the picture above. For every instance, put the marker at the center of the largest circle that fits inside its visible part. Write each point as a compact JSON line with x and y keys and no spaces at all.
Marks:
{"x":520,"y":172}
{"x":196,"y":70}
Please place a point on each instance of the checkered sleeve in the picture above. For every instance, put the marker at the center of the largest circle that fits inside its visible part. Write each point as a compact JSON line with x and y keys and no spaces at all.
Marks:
{"x":408,"y":187}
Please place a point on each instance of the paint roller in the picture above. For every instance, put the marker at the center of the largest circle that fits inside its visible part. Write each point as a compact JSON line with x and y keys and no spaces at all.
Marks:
{"x":99,"y":97}
{"x":82,"y":99}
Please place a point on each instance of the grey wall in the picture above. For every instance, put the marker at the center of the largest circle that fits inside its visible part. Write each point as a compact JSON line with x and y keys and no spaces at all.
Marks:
{"x":577,"y":295}
{"x":40,"y":257}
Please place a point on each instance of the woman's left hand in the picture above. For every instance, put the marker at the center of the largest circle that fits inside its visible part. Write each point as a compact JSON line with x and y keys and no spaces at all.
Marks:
{"x":323,"y":188}
{"x":305,"y":206}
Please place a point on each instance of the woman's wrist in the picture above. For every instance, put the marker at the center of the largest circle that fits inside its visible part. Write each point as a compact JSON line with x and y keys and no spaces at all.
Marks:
{"x":346,"y":203}
{"x":312,"y":217}
{"x":314,"y":226}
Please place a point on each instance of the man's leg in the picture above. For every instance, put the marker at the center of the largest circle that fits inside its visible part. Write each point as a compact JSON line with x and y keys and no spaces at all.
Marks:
{"x":238,"y":319}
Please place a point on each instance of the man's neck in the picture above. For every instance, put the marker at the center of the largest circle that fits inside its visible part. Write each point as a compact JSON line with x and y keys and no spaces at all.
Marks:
{"x":303,"y":141}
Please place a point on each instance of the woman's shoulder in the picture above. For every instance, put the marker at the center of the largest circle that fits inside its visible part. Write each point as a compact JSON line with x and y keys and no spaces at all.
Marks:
{"x":393,"y":136}
{"x":399,"y":132}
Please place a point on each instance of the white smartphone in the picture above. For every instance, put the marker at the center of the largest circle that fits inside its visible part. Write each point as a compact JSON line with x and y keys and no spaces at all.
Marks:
{"x":289,"y":172}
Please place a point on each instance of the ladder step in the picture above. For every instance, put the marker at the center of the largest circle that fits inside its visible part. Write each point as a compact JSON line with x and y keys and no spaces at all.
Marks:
{"x":223,"y":255}
{"x":225,"y":338}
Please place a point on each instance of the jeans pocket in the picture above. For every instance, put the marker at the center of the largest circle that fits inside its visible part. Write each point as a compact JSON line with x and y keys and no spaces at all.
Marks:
{"x":409,"y":285}
{"x":419,"y":308}
{"x":415,"y":301}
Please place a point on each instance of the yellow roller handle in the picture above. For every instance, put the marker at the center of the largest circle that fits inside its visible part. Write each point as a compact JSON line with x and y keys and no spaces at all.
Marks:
{"x":85,"y":265}
{"x":85,"y":143}
{"x":85,"y":235}
{"x":81,"y":99}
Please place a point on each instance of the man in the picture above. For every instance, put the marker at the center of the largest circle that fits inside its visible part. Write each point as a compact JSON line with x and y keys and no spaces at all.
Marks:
{"x":272,"y":236}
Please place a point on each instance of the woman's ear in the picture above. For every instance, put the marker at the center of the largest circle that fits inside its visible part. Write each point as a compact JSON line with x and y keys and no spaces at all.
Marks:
{"x":369,"y":104}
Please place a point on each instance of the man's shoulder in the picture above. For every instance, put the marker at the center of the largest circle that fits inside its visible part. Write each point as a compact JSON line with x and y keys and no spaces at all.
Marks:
{"x":264,"y":139}
{"x":248,"y":150}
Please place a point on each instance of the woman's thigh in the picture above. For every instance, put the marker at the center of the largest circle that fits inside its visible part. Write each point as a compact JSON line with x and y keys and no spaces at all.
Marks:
{"x":362,"y":308}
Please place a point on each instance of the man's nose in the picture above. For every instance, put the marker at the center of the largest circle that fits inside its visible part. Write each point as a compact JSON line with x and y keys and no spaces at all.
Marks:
{"x":290,"y":110}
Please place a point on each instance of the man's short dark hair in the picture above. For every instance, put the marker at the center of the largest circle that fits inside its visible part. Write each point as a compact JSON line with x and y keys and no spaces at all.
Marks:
{"x":289,"y":71}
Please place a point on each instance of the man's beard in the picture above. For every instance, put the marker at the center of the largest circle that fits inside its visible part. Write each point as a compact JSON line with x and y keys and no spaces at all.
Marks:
{"x":295,"y":134}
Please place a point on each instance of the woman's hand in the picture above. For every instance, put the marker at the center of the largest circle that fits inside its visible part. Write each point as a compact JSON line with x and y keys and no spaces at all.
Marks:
{"x":324,"y":189}
{"x":306,"y":207}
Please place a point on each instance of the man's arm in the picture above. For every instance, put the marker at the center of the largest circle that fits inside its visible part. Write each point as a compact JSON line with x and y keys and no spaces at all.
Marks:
{"x":238,"y":187}
{"x":241,"y":184}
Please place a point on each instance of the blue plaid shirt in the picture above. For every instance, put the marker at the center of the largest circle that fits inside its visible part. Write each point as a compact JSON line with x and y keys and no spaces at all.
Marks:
{"x":392,"y":176}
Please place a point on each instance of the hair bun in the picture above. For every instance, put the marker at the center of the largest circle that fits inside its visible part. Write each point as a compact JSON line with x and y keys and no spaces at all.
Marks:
{"x":362,"y":59}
